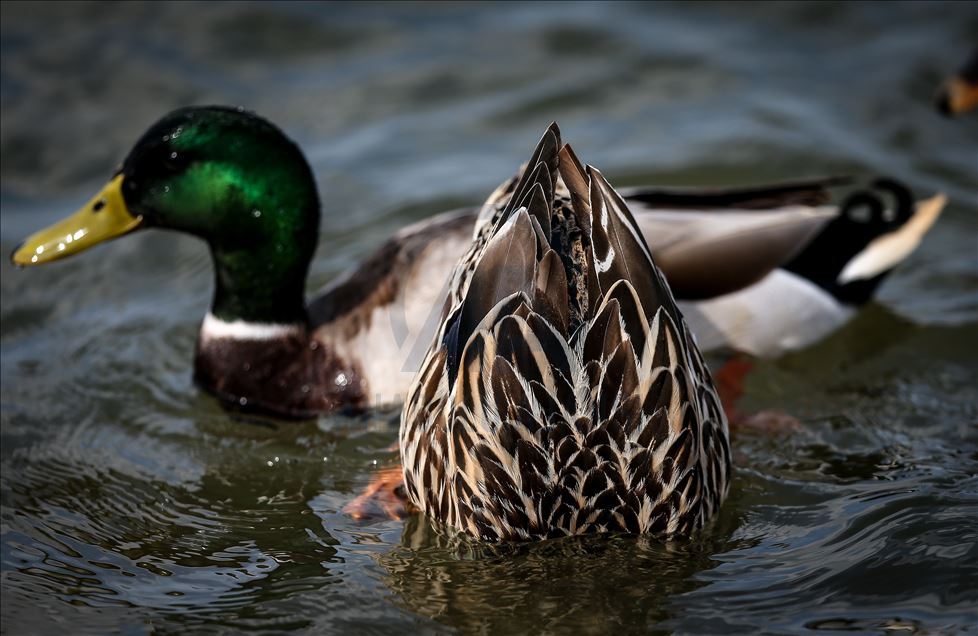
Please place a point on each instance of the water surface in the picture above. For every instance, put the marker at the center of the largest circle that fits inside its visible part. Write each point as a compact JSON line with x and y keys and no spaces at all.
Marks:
{"x":131,"y":501}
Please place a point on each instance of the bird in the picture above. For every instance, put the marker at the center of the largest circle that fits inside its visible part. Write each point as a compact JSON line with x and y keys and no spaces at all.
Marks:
{"x":236,"y":181}
{"x":959,"y":93}
{"x":563,"y":393}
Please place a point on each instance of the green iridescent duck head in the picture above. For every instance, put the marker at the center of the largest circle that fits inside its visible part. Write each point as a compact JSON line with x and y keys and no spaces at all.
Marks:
{"x":226,"y":176}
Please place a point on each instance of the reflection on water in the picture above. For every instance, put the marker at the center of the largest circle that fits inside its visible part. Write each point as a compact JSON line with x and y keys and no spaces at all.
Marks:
{"x":593,"y":583}
{"x":133,"y":502}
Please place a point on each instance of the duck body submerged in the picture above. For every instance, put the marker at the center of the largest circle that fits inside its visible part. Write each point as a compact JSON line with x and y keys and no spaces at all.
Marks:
{"x":563,"y":393}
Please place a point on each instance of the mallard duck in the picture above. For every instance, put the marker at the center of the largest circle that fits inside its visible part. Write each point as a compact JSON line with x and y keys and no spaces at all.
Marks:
{"x":236,"y":181}
{"x":563,"y":393}
{"x":959,"y":94}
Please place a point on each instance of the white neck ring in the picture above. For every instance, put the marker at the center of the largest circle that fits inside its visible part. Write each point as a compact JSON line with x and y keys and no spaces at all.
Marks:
{"x":214,"y":327}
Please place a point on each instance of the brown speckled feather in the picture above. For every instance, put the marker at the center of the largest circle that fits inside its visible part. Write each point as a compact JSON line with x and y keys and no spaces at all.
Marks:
{"x":563,"y":393}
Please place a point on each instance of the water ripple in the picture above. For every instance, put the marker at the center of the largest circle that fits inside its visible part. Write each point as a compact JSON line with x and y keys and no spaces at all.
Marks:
{"x":132,"y":502}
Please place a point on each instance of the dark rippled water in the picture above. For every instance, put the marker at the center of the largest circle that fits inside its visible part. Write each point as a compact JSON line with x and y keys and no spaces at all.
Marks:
{"x":132,"y":502}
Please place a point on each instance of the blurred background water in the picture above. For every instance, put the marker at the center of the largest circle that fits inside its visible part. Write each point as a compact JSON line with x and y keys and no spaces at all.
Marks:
{"x":132,"y":502}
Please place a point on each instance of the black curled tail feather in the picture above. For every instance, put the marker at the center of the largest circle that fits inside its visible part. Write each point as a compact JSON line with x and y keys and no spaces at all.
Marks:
{"x":904,"y":204}
{"x":863,"y":217}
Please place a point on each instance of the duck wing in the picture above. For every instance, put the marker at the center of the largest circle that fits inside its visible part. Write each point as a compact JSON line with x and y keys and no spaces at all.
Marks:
{"x":715,"y":241}
{"x":705,"y":254}
{"x":805,"y":192}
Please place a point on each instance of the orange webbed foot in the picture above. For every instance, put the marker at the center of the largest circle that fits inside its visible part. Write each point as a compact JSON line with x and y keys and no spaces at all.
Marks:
{"x":730,"y":379}
{"x":382,"y":499}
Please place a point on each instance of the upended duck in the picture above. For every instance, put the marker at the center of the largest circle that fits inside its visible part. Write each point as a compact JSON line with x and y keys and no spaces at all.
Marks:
{"x":236,"y":181}
{"x":563,"y":392}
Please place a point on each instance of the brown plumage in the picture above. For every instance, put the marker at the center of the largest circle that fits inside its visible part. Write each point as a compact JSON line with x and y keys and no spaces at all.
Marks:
{"x":563,"y":393}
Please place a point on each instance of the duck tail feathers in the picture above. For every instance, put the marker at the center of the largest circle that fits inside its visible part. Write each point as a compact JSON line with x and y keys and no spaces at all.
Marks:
{"x":876,"y":227}
{"x":888,"y":250}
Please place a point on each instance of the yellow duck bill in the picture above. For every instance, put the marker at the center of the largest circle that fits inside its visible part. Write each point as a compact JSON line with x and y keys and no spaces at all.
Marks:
{"x":104,"y":217}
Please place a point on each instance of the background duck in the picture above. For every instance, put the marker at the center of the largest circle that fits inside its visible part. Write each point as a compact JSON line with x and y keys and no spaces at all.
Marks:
{"x":563,"y":393}
{"x":959,"y":94}
{"x":236,"y":181}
